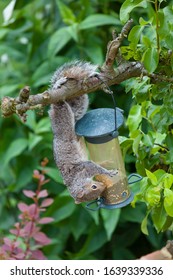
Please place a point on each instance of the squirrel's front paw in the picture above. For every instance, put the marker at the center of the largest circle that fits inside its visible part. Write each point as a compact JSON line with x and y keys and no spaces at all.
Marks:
{"x":112,"y":173}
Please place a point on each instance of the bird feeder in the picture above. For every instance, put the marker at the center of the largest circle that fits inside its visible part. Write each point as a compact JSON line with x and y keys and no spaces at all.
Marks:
{"x":99,"y":127}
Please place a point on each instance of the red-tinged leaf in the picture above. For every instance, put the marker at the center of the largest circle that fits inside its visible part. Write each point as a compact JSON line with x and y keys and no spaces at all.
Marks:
{"x":22,"y":207}
{"x":28,"y":228}
{"x":30,"y":194}
{"x":36,"y":174}
{"x":20,"y":256}
{"x":14,"y":231}
{"x":32,"y":208}
{"x":46,"y":202}
{"x":21,"y":216}
{"x":42,"y":178}
{"x":43,"y":193}
{"x":16,"y":244}
{"x":41,"y":238}
{"x":22,"y":233}
{"x":8,"y":241}
{"x":17,"y":225}
{"x":46,"y":220}
{"x":33,"y":211}
{"x":38,"y":255}
{"x":6,"y":248}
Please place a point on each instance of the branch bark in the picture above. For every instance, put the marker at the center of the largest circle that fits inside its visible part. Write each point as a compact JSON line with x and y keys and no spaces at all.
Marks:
{"x":107,"y":76}
{"x":166,"y":253}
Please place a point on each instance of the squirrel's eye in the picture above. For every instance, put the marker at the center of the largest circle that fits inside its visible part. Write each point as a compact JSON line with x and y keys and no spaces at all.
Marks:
{"x":94,"y":187}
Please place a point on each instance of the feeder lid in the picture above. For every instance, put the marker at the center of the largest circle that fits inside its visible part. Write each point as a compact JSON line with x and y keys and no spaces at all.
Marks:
{"x":98,"y":125}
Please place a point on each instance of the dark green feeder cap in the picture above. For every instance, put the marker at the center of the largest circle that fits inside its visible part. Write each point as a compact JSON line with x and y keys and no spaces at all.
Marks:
{"x":100,"y":125}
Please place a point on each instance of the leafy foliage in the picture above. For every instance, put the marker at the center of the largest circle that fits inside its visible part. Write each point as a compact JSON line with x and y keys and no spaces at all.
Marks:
{"x":36,"y":37}
{"x":26,"y":238}
{"x":150,"y":120}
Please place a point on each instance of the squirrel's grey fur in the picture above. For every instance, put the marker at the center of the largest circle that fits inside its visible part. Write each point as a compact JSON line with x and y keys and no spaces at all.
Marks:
{"x":70,"y":158}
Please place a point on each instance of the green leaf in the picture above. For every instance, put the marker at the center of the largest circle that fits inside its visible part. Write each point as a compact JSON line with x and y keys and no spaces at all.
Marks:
{"x":168,"y":181}
{"x":159,"y":217}
{"x":95,"y":240}
{"x":169,"y":39}
{"x":22,"y":179}
{"x":137,"y":140}
{"x":150,"y":59}
{"x":98,"y":20}
{"x":110,"y":219}
{"x":168,"y":201}
{"x":41,"y":73}
{"x":15,"y":149}
{"x":160,"y":175}
{"x":147,"y":41}
{"x":66,"y":13}
{"x":55,"y":174}
{"x":58,"y":40}
{"x":8,"y":11}
{"x":94,"y":52}
{"x":152,"y":177}
{"x":43,"y":126}
{"x":33,"y":140}
{"x":62,"y":208}
{"x":31,"y":120}
{"x":144,"y":224}
{"x":74,"y":31}
{"x":8,"y":90}
{"x":94,"y":215}
{"x":148,"y":140}
{"x":134,"y":118}
{"x":135,"y":34}
{"x":79,"y":222}
{"x":153,"y":195}
{"x":131,"y":214}
{"x":144,"y":22}
{"x":128,"y":6}
{"x":126,"y":144}
{"x":7,"y":174}
{"x":3,"y":32}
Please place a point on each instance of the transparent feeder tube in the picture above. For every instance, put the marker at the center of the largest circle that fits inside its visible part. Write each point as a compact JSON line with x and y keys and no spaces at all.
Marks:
{"x":109,"y":156}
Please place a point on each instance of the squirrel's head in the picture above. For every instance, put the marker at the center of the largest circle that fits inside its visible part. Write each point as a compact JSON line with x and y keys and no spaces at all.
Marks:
{"x":90,"y":191}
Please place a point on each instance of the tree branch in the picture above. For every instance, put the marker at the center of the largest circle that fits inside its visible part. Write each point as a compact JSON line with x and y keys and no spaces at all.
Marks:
{"x":107,"y":76}
{"x":113,"y":47}
{"x":166,"y":253}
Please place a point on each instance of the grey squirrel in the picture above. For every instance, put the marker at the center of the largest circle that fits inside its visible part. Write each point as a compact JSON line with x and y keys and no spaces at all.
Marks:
{"x":77,"y":172}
